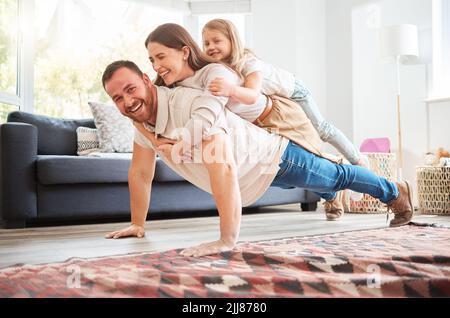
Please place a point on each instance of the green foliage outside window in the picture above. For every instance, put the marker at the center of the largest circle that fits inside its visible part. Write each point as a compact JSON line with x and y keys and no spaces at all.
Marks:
{"x":67,"y":74}
{"x":8,"y":46}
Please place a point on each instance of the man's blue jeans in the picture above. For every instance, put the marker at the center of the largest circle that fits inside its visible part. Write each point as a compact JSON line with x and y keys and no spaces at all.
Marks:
{"x":301,"y":168}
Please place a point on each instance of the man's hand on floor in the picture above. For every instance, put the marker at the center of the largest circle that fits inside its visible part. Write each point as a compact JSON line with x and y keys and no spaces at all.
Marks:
{"x":207,"y":249}
{"x":133,"y":230}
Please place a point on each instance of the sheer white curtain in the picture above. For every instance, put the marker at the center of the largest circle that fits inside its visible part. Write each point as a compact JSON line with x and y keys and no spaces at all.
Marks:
{"x":441,"y":49}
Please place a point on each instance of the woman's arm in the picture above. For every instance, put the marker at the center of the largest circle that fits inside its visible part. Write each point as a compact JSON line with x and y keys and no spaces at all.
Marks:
{"x":247,"y":94}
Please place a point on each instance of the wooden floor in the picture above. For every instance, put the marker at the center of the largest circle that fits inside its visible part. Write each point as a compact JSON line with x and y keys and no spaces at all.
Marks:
{"x":58,"y":243}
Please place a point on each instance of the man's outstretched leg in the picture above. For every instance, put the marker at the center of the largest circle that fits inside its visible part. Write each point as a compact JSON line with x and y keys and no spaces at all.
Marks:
{"x":300,"y":168}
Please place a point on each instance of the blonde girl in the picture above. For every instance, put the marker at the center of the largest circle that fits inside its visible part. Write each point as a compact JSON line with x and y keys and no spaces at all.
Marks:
{"x":222,"y":43}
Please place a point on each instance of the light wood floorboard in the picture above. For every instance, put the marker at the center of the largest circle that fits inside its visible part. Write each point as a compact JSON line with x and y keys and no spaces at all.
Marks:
{"x":40,"y":245}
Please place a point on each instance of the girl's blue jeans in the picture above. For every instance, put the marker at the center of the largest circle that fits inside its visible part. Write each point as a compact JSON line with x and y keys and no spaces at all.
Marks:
{"x":327,"y":132}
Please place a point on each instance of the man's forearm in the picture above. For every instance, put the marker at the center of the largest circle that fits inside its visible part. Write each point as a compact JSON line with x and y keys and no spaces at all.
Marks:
{"x":140,"y":190}
{"x":226,"y":193}
{"x":225,"y":187}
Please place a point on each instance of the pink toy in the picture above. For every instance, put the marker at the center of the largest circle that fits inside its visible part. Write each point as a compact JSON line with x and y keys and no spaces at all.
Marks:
{"x":378,"y":145}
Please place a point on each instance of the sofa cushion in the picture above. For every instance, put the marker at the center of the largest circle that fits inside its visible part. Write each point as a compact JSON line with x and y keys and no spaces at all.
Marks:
{"x":55,"y":136}
{"x":87,"y":140}
{"x":75,"y":169}
{"x":115,"y":131}
{"x":164,"y":174}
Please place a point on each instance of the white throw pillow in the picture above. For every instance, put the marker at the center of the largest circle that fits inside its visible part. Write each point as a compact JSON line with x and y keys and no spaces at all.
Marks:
{"x":87,"y":141}
{"x":115,"y":131}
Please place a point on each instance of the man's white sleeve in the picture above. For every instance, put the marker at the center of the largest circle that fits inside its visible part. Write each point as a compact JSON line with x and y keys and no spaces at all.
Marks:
{"x":207,"y":118}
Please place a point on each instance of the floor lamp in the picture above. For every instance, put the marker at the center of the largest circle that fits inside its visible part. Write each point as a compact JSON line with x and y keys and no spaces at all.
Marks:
{"x":401,"y":43}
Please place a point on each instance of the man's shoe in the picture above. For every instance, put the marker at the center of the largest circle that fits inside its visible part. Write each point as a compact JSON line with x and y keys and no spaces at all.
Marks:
{"x":402,"y":206}
{"x":334,"y":208}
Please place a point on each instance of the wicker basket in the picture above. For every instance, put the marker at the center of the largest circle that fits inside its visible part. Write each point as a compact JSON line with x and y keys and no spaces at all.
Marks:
{"x":433,"y":187}
{"x":382,"y":164}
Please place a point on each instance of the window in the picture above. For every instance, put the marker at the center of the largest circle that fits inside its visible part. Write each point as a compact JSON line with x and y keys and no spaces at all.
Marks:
{"x":5,"y":109}
{"x":441,"y":49}
{"x":9,"y":89}
{"x":238,"y":19}
{"x":53,"y":52}
{"x":237,"y":11}
{"x":77,"y":39}
{"x":8,"y":46}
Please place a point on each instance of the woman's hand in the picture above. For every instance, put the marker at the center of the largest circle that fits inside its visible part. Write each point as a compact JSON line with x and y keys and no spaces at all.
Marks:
{"x":220,"y":87}
{"x":164,"y":141}
{"x":177,"y":152}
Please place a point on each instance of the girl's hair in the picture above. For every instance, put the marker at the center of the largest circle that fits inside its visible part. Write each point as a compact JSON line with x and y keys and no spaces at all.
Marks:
{"x":239,"y":54}
{"x":176,"y":37}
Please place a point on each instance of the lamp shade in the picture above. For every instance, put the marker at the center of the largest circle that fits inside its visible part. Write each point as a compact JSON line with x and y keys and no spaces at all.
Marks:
{"x":400,"y":40}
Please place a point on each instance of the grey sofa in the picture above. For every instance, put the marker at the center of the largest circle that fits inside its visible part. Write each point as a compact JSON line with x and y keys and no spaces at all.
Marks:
{"x":42,"y":179}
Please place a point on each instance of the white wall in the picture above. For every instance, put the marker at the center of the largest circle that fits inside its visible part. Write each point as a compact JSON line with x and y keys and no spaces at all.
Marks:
{"x":375,"y":88}
{"x":311,"y":48}
{"x":339,"y":64}
{"x":359,"y":83}
{"x":291,"y":34}
{"x":438,"y":125}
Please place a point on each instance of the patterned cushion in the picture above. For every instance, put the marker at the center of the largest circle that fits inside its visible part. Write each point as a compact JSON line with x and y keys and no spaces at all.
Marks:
{"x":115,"y":131}
{"x":87,"y":141}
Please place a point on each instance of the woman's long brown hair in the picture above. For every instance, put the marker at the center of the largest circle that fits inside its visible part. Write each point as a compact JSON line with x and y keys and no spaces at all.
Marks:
{"x":176,"y":37}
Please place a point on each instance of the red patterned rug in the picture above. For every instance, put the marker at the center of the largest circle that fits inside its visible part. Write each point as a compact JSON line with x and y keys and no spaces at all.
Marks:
{"x":412,"y":261}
